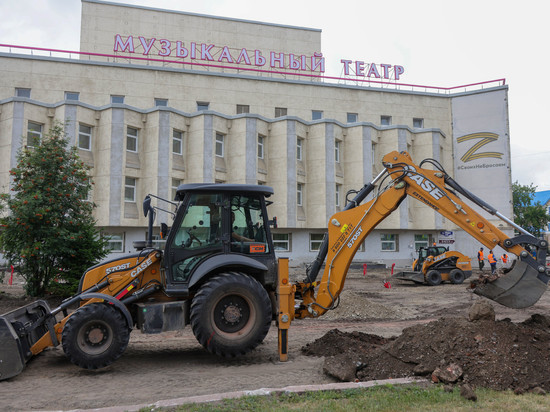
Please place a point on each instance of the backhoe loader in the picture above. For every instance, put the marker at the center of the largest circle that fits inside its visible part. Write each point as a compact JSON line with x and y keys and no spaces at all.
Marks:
{"x":436,"y":264}
{"x":218,"y":271}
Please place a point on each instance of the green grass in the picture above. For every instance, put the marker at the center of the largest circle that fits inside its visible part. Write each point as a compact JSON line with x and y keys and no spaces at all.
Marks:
{"x":381,"y":398}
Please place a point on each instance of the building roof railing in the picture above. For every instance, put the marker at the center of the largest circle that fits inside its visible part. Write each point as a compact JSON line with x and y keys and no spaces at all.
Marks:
{"x":313,"y":76}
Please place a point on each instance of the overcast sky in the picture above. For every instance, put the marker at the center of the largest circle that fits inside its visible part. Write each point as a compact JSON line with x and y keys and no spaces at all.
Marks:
{"x":439,"y":43}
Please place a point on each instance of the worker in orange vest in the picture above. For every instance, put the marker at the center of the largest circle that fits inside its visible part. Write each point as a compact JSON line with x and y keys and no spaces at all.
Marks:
{"x":492,"y":261}
{"x":480,"y":258}
{"x":504,"y":259}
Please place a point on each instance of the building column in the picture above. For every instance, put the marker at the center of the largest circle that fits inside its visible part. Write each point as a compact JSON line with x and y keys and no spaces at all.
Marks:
{"x":291,"y":173}
{"x":330,"y":174}
{"x":367,"y":154}
{"x":117,"y":156}
{"x":17,"y":131}
{"x":70,"y":123}
{"x":436,"y":154}
{"x":208,"y":149}
{"x":251,"y":157}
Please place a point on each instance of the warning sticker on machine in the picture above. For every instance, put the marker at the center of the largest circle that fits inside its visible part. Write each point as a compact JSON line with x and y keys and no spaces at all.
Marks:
{"x":257,"y":248}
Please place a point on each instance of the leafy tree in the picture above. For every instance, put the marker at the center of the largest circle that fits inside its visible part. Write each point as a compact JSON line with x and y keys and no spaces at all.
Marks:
{"x":49,"y":233}
{"x":532,"y":217}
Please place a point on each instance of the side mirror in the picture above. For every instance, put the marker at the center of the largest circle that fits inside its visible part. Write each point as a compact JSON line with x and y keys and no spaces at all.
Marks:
{"x":163,"y":230}
{"x":273,"y":223}
{"x":146,"y":205}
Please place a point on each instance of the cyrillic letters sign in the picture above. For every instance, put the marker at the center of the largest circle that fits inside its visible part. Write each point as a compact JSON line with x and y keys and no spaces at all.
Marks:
{"x":253,"y":58}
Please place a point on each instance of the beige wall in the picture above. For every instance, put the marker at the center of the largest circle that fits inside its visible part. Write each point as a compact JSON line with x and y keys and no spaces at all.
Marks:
{"x":154,"y":166}
{"x":50,"y":79}
{"x":317,"y":172}
{"x":101,"y":22}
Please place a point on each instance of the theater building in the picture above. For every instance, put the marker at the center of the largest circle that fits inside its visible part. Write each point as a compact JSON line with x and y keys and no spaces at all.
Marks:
{"x":156,"y":98}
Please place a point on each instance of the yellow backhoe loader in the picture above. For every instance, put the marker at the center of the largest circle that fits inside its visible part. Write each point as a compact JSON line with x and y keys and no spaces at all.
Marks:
{"x":218,"y":271}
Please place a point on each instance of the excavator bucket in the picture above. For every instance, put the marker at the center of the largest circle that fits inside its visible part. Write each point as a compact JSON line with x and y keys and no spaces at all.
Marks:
{"x":519,"y":288}
{"x":20,"y":329}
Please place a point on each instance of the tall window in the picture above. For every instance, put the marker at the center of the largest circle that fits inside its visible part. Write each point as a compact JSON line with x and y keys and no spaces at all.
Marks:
{"x":131,"y":139}
{"x":280,"y":111}
{"x":34,"y":134}
{"x":421,"y":241}
{"x":243,"y":108}
{"x":418,"y":123}
{"x":117,"y":99}
{"x":337,"y":192}
{"x":316,"y":114}
{"x":90,"y":196}
{"x":281,"y":242}
{"x":337,"y":151}
{"x":299,"y":194}
{"x":72,"y":95}
{"x":161,"y":102}
{"x":388,"y":242}
{"x":315,"y":241}
{"x":130,"y":189}
{"x":220,"y":143}
{"x":177,"y":142}
{"x":299,"y":149}
{"x":22,"y":92}
{"x":115,"y":242}
{"x":261,"y":141}
{"x":202,"y":106}
{"x":352,"y":117}
{"x":175,"y":184}
{"x":84,"y":137}
{"x":385,"y":120}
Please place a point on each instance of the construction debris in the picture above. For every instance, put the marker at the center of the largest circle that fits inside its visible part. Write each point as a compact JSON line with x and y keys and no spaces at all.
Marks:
{"x":477,"y":351}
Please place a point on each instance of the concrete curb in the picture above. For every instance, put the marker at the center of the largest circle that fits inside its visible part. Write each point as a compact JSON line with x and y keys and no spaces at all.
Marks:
{"x":257,"y":392}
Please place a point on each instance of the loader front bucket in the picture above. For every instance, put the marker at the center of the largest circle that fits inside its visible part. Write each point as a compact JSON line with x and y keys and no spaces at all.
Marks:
{"x":520,"y":288}
{"x":20,"y":329}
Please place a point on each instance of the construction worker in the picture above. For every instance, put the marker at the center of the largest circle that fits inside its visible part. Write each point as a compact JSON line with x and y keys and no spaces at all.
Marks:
{"x":492,"y":261}
{"x":480,"y":258}
{"x":504,"y":259}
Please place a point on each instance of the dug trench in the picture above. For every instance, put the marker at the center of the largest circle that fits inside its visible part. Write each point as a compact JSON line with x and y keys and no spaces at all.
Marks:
{"x":375,"y":332}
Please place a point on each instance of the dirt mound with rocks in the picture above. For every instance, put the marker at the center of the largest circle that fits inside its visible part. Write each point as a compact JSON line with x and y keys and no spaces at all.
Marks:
{"x":477,"y":351}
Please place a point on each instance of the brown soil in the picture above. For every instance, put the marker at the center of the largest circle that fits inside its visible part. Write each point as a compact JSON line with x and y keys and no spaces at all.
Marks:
{"x":493,"y":354}
{"x":378,"y":332}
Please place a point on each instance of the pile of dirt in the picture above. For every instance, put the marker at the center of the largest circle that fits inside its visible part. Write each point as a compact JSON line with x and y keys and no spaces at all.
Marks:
{"x":483,"y":352}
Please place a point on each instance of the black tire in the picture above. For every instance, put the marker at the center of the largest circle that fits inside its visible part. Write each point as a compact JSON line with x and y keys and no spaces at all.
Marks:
{"x":231,"y":314}
{"x":95,"y":335}
{"x":457,"y":276}
{"x":433,"y":277}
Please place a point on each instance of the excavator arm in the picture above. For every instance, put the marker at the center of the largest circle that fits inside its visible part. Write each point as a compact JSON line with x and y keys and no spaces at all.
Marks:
{"x":520,"y":287}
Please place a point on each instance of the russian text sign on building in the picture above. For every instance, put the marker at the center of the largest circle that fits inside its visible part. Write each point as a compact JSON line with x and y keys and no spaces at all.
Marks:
{"x":244,"y":59}
{"x":446,"y":237}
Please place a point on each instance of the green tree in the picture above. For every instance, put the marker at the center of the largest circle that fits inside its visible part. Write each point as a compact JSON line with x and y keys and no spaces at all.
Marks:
{"x":531,"y":216}
{"x":49,"y":232}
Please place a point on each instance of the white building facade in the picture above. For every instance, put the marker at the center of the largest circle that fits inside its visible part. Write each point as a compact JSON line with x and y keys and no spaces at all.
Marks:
{"x":157,"y":98}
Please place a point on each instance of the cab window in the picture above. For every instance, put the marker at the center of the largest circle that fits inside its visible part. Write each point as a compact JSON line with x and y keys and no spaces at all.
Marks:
{"x":248,"y":233}
{"x":201,"y":225}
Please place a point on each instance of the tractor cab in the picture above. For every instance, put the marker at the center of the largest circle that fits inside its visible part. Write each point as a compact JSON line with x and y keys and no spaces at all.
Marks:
{"x":424,"y":252}
{"x":219,"y":227}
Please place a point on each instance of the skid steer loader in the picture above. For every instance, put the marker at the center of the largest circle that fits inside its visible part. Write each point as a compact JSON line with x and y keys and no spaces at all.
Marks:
{"x":436,"y":264}
{"x":218,"y":271}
